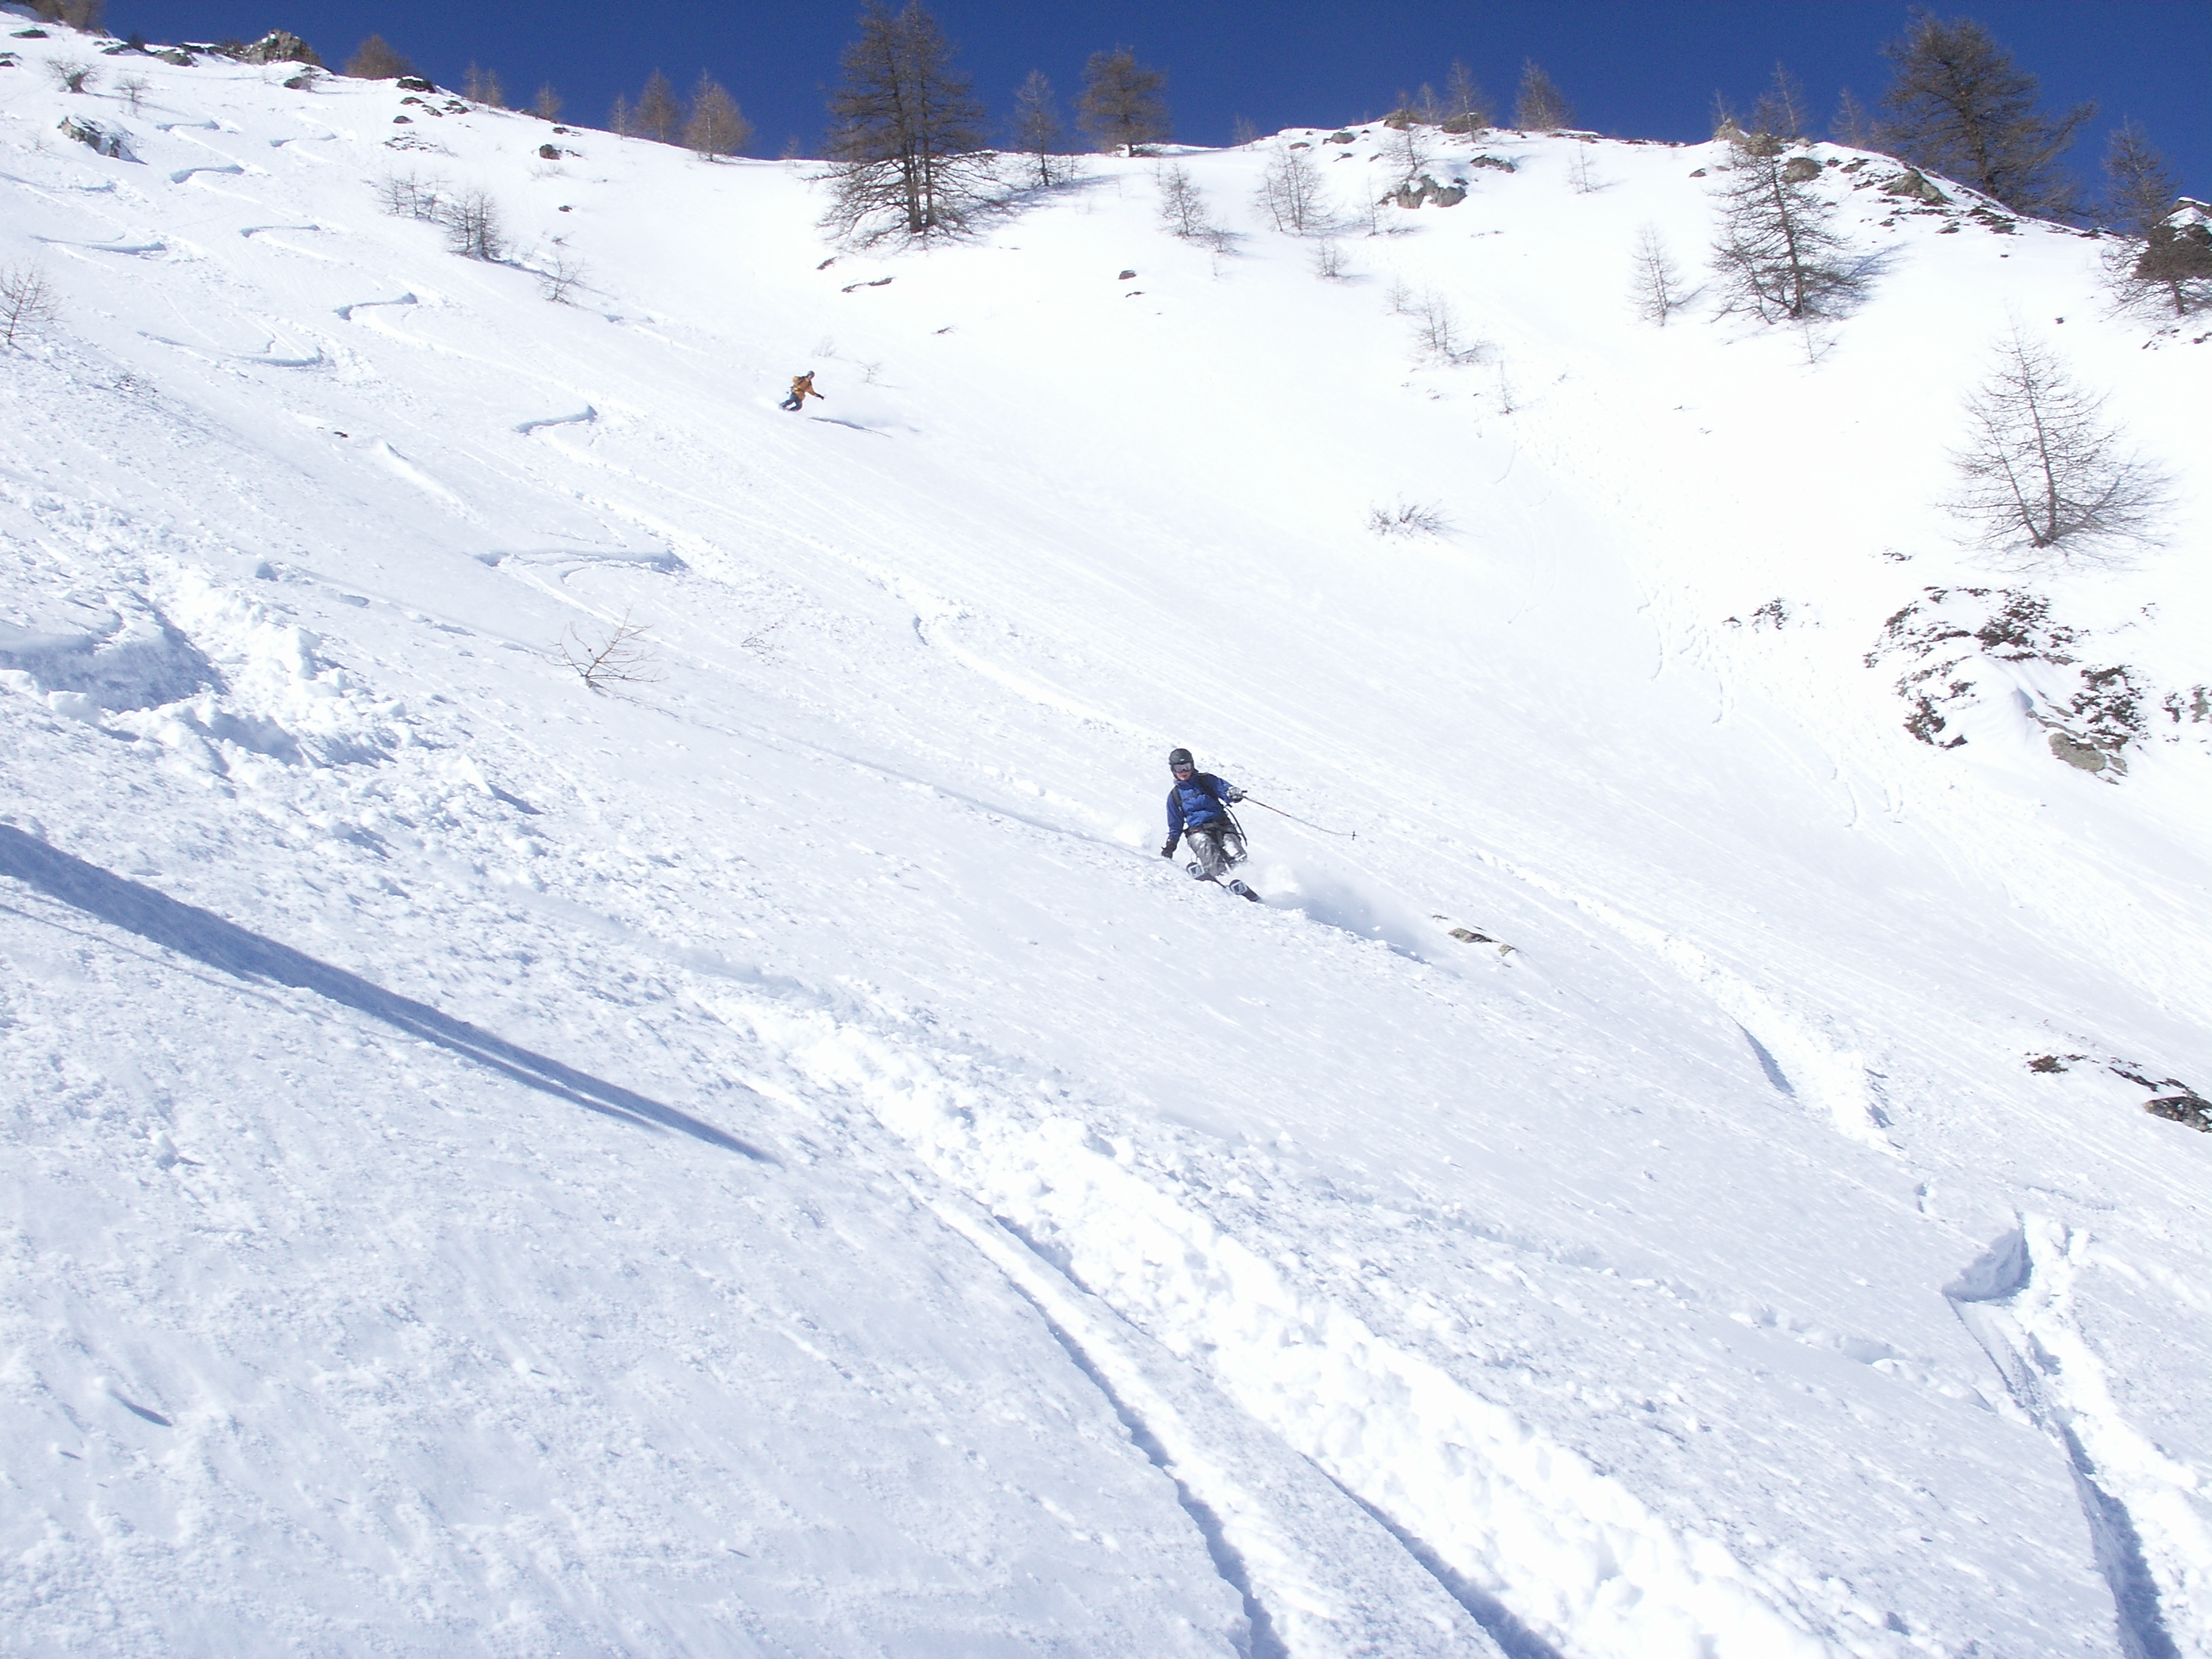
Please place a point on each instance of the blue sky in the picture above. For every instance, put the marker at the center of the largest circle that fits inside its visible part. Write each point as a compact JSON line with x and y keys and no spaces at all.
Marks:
{"x":1634,"y":68}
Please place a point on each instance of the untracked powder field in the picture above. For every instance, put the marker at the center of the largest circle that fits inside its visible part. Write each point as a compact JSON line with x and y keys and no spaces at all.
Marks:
{"x":597,"y":1057}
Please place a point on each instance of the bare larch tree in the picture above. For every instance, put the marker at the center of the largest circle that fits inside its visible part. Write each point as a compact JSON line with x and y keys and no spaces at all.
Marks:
{"x":2042,"y":469}
{"x":473,"y":227}
{"x":546,"y":106}
{"x":1291,"y":190}
{"x":906,"y":133}
{"x":2139,"y":188}
{"x":1783,"y":111}
{"x":1851,"y":123}
{"x":27,"y":304}
{"x":1539,"y":106}
{"x":2166,"y":260}
{"x":1121,"y":108}
{"x":483,"y":86}
{"x":1777,"y":257}
{"x":657,"y":115}
{"x":376,"y":59}
{"x":1467,"y":107}
{"x":2177,"y":258}
{"x":1657,"y":289}
{"x":1037,"y":131}
{"x":1182,"y":204}
{"x":1960,"y":105}
{"x":717,"y":126}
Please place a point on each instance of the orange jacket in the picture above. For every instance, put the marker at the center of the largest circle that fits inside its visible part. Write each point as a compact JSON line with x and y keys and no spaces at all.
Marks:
{"x":802,"y":388}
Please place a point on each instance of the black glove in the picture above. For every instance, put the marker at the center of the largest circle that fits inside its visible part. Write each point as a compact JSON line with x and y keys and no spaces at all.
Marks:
{"x":1167,"y":850}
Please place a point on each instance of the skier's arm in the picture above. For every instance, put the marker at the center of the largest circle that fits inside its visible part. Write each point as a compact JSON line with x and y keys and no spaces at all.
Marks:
{"x":1175,"y":823}
{"x":1225,"y":789}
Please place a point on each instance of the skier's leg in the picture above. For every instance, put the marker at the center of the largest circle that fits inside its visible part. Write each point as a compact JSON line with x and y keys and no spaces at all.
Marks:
{"x":1205,"y":845}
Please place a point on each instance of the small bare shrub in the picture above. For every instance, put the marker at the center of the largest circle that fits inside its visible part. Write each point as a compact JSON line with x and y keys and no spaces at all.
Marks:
{"x":27,"y":303}
{"x":563,"y":273}
{"x":72,"y":74}
{"x":133,"y":88}
{"x":1183,"y":206}
{"x":620,"y":656}
{"x":1407,"y":519}
{"x":473,"y":228}
{"x":1329,"y":261}
{"x":1435,"y":329}
{"x":412,"y":196}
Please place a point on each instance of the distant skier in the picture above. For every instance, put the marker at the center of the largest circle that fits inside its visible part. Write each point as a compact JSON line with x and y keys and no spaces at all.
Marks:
{"x":802,"y":388}
{"x":1198,"y":811}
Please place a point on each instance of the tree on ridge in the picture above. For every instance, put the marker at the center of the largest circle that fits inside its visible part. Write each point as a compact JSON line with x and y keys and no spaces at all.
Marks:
{"x":1121,"y":108}
{"x":1960,"y":106}
{"x":906,"y":133}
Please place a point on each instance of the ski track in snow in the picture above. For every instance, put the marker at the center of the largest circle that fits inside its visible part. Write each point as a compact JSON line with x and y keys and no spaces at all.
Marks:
{"x":768,"y":1161}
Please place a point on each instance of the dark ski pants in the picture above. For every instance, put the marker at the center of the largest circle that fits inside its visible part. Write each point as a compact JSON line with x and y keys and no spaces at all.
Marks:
{"x":1216,"y":847}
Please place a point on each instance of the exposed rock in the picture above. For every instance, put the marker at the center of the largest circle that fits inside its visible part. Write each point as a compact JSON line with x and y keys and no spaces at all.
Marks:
{"x":2075,"y":752}
{"x":1798,"y":169}
{"x":173,"y":55}
{"x":302,"y":82}
{"x":1497,"y":161}
{"x":1463,"y":124}
{"x":30,"y":35}
{"x":1126,"y":277}
{"x":1425,"y":188}
{"x":2187,"y":1109}
{"x":280,"y":47}
{"x":1915,"y":184}
{"x":1343,"y":137}
{"x":99,"y":138}
{"x":549,"y":152}
{"x":414,"y":83}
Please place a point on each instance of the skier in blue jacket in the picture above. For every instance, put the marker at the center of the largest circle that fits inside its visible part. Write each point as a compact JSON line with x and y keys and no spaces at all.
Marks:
{"x":1197,"y":812}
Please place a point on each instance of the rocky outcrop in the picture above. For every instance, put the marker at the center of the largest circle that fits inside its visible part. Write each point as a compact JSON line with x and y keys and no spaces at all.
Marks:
{"x":1915,"y":185}
{"x":1414,"y":193}
{"x":99,"y":138}
{"x":279,"y":46}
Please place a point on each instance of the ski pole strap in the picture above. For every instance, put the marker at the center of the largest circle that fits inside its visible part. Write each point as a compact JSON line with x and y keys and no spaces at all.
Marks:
{"x":1347,"y":835}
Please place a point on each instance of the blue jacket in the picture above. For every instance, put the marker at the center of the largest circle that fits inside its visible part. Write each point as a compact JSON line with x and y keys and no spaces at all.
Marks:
{"x":1201,"y":799}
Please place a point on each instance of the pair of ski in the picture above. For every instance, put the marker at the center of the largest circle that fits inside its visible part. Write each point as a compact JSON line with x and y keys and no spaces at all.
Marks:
{"x":1232,"y":883}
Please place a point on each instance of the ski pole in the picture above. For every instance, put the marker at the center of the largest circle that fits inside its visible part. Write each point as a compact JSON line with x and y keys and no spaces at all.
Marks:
{"x":1347,"y":835}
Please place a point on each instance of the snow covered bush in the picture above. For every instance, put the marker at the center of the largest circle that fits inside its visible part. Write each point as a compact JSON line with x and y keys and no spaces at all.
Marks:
{"x":2042,"y":472}
{"x":1407,"y":519}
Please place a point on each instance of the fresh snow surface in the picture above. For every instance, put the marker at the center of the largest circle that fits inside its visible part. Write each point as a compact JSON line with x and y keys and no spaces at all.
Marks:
{"x":771,"y":1160}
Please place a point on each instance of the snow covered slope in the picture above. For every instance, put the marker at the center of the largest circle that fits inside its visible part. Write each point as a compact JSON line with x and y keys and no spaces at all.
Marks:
{"x":771,"y":1160}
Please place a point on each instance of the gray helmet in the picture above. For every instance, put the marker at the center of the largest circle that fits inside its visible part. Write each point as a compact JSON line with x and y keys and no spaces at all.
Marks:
{"x":1180,"y":757}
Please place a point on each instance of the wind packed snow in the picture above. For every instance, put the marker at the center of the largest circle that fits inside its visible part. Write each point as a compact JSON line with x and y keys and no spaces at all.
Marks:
{"x":767,"y":1159}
